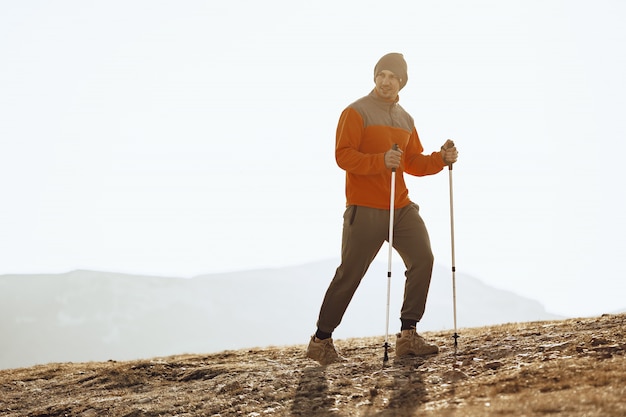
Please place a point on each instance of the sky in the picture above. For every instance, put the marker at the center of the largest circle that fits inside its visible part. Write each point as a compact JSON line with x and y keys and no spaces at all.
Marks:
{"x":179,"y":138}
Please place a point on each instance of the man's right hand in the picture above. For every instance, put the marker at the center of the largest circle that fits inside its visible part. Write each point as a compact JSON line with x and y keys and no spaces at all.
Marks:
{"x":393,"y":158}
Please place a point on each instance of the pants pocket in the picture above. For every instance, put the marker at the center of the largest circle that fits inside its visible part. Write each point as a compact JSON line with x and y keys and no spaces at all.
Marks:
{"x":350,"y":215}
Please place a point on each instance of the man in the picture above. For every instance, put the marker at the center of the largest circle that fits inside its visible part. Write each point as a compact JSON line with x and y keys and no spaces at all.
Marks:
{"x":367,"y":131}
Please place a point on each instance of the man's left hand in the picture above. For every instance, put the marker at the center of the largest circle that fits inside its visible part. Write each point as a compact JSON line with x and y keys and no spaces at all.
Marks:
{"x":449,"y":152}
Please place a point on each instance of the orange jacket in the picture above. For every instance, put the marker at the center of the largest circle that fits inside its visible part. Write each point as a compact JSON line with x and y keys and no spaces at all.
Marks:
{"x":367,"y":129}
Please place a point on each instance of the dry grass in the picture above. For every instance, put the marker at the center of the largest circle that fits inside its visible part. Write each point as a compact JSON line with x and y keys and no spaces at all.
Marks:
{"x":567,"y":368}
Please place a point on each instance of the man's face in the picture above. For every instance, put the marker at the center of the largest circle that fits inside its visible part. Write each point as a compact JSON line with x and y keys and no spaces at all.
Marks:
{"x":387,"y":85}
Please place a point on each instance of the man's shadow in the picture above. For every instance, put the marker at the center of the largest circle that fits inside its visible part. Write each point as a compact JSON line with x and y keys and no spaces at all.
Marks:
{"x":312,"y":394}
{"x":408,"y":391}
{"x":399,"y":390}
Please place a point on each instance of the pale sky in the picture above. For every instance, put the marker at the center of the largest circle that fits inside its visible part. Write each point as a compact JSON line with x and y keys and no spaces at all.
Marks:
{"x":180,"y":138}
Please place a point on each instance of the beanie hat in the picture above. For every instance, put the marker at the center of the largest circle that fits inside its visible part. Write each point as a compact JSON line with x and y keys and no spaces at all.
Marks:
{"x":395,"y":63}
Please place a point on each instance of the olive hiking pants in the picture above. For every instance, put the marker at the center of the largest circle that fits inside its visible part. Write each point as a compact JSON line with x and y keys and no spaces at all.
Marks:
{"x":365,"y":230}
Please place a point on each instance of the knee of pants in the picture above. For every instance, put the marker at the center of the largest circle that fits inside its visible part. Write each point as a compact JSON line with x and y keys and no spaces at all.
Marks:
{"x":419,"y":259}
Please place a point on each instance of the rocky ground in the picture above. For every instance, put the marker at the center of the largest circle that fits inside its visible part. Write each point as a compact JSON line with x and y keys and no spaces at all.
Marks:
{"x":567,"y":368}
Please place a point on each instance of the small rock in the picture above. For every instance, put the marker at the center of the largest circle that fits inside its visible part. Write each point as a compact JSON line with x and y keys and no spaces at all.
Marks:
{"x":554,"y":346}
{"x":597,"y":341}
{"x":608,"y":351}
{"x":494,"y":365}
{"x":454,"y":375}
{"x":435,"y":380}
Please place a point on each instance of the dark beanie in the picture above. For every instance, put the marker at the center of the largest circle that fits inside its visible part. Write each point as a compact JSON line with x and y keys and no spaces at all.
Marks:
{"x":395,"y":63}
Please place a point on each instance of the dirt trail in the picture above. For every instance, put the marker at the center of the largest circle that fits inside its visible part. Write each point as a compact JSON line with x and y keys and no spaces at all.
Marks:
{"x":564,"y":368}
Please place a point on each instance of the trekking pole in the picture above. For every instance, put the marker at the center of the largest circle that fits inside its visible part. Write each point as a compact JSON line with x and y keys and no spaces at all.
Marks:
{"x":456,"y":335}
{"x":391,"y":215}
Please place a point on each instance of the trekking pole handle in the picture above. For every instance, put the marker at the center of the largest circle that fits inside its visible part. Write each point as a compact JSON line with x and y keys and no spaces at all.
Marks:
{"x":395,"y":148}
{"x":443,"y":148}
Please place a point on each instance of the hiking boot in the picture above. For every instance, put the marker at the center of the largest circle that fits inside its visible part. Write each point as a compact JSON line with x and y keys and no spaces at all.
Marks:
{"x":408,"y":342}
{"x":323,"y":351}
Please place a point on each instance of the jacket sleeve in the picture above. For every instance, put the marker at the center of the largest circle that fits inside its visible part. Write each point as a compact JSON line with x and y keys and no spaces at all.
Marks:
{"x":349,"y":135}
{"x":418,"y":164}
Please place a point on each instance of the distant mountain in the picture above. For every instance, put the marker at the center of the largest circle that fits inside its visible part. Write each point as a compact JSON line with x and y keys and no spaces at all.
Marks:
{"x":93,"y":316}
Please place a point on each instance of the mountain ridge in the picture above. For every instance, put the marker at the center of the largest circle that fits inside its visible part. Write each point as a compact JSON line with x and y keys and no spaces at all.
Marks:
{"x":87,"y":315}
